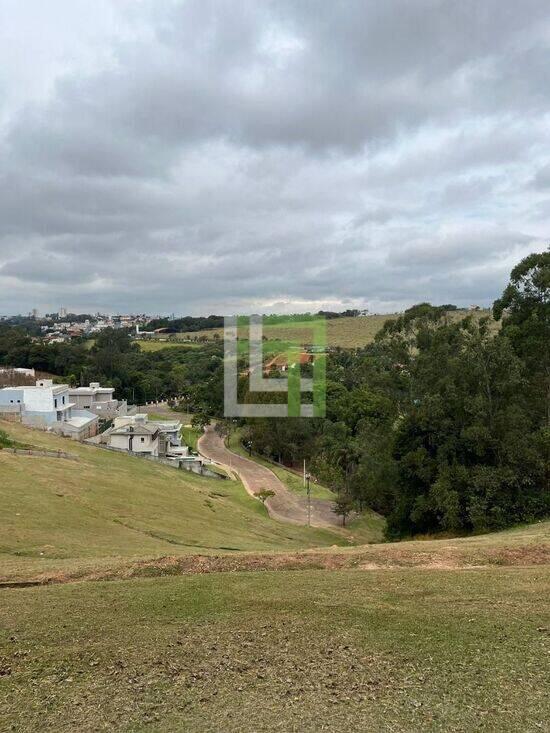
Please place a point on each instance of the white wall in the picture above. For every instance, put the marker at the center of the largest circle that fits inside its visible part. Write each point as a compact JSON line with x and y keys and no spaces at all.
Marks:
{"x":118,"y":441}
{"x":122,"y":442}
{"x":9,"y":396}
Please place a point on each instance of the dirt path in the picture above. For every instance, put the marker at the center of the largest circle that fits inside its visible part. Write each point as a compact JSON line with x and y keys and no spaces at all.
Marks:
{"x":285,"y":505}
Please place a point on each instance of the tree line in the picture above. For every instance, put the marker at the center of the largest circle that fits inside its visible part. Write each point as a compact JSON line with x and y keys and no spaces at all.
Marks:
{"x":442,"y":424}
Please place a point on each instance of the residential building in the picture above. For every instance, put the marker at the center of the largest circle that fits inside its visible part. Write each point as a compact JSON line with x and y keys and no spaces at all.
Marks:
{"x":280,"y":362}
{"x":98,"y":399}
{"x":138,"y":434}
{"x":48,"y":406}
{"x":134,"y":437}
{"x":19,"y":370}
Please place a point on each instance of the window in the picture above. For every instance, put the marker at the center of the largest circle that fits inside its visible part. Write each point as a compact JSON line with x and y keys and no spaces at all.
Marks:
{"x":63,"y":399}
{"x":55,"y":402}
{"x":143,"y":440}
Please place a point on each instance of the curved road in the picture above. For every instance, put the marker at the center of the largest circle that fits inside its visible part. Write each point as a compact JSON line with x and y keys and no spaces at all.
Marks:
{"x":285,"y":505}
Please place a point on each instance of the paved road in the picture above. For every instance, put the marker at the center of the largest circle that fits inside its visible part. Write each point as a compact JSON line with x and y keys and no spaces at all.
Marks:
{"x":285,"y":505}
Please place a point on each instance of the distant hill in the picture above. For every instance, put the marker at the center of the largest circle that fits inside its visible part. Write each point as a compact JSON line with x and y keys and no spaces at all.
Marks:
{"x":346,"y":332}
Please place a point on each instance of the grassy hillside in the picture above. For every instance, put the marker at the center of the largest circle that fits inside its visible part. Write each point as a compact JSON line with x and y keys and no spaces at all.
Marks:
{"x":434,"y":635}
{"x":57,"y":513}
{"x":345,"y":332}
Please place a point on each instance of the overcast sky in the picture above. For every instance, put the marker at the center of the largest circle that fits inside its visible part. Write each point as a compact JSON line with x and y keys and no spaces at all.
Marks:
{"x":207,"y":156}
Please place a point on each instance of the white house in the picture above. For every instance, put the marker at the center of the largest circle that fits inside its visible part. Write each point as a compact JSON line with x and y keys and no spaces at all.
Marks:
{"x":48,"y":406}
{"x":135,"y":438}
{"x":138,"y":434}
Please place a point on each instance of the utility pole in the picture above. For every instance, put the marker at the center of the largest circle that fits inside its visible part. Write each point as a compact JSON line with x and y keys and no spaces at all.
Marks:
{"x":308,"y":500}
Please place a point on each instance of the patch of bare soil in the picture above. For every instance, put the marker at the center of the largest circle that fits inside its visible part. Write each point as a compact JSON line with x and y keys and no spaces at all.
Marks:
{"x":388,"y":557}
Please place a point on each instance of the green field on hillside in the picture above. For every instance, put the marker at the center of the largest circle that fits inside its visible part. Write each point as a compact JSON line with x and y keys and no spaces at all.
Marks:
{"x":347,"y":333}
{"x":57,"y":513}
{"x":353,"y":650}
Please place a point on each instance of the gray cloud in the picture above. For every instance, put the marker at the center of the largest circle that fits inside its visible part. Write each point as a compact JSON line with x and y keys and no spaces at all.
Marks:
{"x":209,"y":155}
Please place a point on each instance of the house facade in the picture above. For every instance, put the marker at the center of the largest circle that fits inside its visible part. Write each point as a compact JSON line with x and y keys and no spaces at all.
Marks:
{"x":97,"y":399}
{"x":134,"y":438}
{"x":138,"y":434}
{"x":48,"y":406}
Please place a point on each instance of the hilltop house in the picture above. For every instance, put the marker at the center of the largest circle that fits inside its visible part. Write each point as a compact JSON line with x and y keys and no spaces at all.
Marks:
{"x":48,"y":406}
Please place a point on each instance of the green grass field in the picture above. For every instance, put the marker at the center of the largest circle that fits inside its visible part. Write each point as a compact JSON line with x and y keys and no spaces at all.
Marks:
{"x":57,"y":514}
{"x":175,"y":604}
{"x":190,"y":436}
{"x":345,"y":332}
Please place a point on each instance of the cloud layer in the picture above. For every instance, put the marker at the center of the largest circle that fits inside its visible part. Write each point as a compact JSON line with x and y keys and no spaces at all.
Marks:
{"x":213,"y":156}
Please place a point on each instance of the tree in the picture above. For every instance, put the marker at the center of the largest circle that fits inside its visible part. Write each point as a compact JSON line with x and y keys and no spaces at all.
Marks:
{"x":264,"y":494}
{"x":222,"y":428}
{"x":342,"y":507}
{"x":200,"y":421}
{"x":464,"y":448}
{"x":525,"y":312}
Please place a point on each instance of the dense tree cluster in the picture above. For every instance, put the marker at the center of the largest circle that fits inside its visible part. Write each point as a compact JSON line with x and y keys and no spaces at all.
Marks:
{"x":187,"y":323}
{"x":192,"y":376}
{"x":330,"y":315}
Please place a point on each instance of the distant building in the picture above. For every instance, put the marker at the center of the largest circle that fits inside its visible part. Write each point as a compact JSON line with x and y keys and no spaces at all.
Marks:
{"x":18,"y":370}
{"x":56,"y":338}
{"x":62,"y":313}
{"x":280,"y":363}
{"x":48,"y":406}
